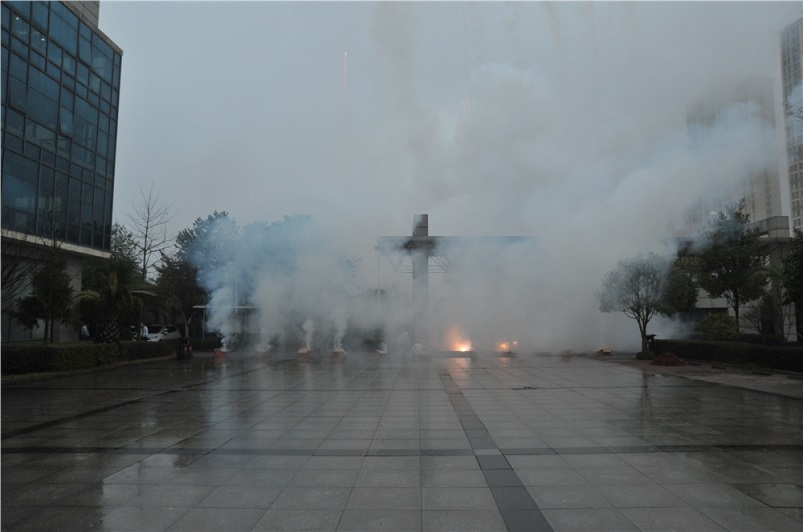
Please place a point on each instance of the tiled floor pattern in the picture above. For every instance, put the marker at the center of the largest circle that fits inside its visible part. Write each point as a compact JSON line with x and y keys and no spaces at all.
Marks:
{"x":363,"y":442}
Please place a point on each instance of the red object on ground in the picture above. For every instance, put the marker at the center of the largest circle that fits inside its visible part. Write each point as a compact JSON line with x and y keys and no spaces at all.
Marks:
{"x":667,"y":359}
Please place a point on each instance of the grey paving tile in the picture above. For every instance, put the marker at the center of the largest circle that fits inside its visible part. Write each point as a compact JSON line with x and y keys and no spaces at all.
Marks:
{"x":556,"y":497}
{"x":321,"y":478}
{"x":399,"y":520}
{"x":589,"y":461}
{"x":750,"y":518}
{"x":392,"y":462}
{"x":257,"y":477}
{"x":712,"y":495}
{"x":639,"y":496}
{"x":449,"y":462}
{"x":334,"y":462}
{"x":106,"y":496}
{"x":385,"y":499}
{"x":140,"y":475}
{"x":278,"y":462}
{"x":241,"y":497}
{"x":389,"y":478}
{"x":551,"y":477}
{"x":613,"y":475}
{"x":215,"y":519}
{"x":136,"y":519}
{"x":775,"y":495}
{"x":794,"y":513}
{"x":389,"y":437}
{"x":463,"y":520}
{"x":549,"y":461}
{"x":170,"y":496}
{"x":458,"y":499}
{"x":457,"y":478}
{"x":602,"y":519}
{"x":298,"y":520}
{"x":11,"y":515}
{"x":312,"y":498}
{"x":683,"y":518}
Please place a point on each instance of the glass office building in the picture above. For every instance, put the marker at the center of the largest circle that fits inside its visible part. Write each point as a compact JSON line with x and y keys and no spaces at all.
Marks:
{"x":60,"y":95}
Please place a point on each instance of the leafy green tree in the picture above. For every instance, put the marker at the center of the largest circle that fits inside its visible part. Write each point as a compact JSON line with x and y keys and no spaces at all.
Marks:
{"x":178,"y":283}
{"x":51,"y":295}
{"x":124,"y":249}
{"x":731,"y":264}
{"x":638,"y":288}
{"x":718,"y":326}
{"x":682,"y":288}
{"x":792,"y":277}
{"x":119,"y":292}
{"x":210,"y":243}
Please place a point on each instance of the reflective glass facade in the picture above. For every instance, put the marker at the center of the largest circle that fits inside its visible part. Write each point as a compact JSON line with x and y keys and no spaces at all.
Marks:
{"x":60,"y":93}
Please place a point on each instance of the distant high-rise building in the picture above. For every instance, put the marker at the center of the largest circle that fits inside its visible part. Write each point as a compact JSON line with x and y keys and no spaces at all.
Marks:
{"x":749,"y":98}
{"x":60,"y":96}
{"x":791,"y":51}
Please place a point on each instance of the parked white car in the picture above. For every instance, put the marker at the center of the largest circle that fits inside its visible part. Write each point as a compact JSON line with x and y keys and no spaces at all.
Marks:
{"x":159,"y":333}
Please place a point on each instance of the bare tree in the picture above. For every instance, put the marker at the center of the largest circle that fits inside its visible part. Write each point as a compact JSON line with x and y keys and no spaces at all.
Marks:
{"x":21,"y":256}
{"x":149,"y":227}
{"x":794,"y":110}
{"x":638,"y":287}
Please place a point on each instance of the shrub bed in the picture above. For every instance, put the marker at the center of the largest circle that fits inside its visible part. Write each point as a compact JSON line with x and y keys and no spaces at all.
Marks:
{"x":141,"y":350}
{"x":30,"y":358}
{"x":785,"y":358}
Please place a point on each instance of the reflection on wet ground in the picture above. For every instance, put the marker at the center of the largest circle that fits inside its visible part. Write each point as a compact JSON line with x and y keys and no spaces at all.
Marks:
{"x":363,"y":441}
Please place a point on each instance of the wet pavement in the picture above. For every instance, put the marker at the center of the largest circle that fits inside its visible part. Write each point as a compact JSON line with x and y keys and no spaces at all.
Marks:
{"x":397,"y":442}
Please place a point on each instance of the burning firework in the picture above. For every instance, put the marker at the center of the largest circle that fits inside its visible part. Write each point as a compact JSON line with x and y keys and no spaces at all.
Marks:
{"x":506,"y":346}
{"x":309,"y":329}
{"x":457,"y":340}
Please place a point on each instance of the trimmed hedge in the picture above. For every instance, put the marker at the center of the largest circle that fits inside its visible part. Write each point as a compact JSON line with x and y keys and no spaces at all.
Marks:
{"x":30,"y":358}
{"x":785,"y":358}
{"x":206,"y":344}
{"x":142,"y":350}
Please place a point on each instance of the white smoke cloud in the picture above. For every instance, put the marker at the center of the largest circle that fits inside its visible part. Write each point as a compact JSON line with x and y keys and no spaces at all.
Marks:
{"x":565,"y":122}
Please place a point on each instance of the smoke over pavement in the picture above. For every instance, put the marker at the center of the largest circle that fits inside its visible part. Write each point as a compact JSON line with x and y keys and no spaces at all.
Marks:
{"x":564,"y":122}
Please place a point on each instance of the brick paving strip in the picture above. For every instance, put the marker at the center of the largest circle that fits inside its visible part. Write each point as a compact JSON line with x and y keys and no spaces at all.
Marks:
{"x":517,"y":507}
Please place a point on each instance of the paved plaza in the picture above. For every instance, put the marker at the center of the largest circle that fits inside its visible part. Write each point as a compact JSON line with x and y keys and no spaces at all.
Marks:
{"x":364,"y":441}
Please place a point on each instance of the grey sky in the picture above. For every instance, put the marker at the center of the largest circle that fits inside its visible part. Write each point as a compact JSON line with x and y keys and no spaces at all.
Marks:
{"x":561,"y":120}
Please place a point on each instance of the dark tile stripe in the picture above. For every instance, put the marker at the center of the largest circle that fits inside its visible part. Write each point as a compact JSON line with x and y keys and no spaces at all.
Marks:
{"x":515,"y":504}
{"x":490,"y":461}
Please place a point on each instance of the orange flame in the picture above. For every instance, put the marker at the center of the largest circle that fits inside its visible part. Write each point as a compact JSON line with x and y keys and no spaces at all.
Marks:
{"x":506,"y":347}
{"x":457,"y":340}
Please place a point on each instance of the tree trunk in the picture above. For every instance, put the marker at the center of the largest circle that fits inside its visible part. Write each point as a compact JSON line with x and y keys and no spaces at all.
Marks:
{"x":643,"y":330}
{"x":108,"y":332}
